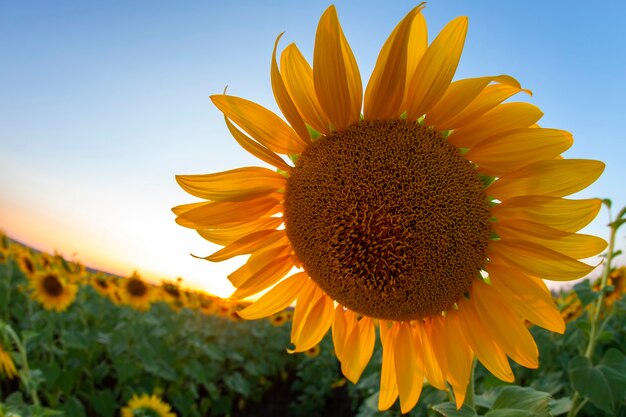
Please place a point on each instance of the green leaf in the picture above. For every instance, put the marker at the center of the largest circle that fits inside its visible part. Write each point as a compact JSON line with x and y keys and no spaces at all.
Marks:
{"x":104,"y":403}
{"x":51,"y":372}
{"x":607,"y":202}
{"x":237,"y":383}
{"x":613,"y":367}
{"x":73,"y":408}
{"x":523,"y":399}
{"x":448,"y":409}
{"x":591,"y":383}
{"x":584,"y":292}
{"x":510,"y":412}
{"x":560,"y":406}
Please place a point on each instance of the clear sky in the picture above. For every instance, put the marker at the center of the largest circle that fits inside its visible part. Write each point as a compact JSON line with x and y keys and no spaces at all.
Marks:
{"x":103,"y":102}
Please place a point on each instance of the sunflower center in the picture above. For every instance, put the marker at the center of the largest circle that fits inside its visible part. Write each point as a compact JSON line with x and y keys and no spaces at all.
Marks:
{"x":136,"y":287}
{"x":52,"y":285}
{"x":388,"y":219}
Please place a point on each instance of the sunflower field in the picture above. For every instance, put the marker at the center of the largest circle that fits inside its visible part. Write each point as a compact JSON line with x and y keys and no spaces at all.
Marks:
{"x":76,"y":342}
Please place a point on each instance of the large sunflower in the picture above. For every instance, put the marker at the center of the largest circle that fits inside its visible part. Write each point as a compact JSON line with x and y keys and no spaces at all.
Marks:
{"x":436,"y":212}
{"x":52,"y":290}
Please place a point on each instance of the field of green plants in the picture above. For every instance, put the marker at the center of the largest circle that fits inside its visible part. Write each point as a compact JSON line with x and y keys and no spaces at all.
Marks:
{"x":94,"y":342}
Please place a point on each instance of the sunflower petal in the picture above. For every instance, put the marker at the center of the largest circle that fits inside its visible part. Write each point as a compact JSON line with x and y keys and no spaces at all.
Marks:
{"x":248,"y":244}
{"x":358,"y":349}
{"x":335,"y":73}
{"x":506,"y":328}
{"x":432,"y":367}
{"x":178,"y":210}
{"x":436,"y":69}
{"x":215,"y":214}
{"x":385,"y":90}
{"x":526,"y":297}
{"x":303,"y":306}
{"x":417,"y":46}
{"x":260,"y":123}
{"x":459,"y":357}
{"x":340,"y":331}
{"x":458,"y":96}
{"x":388,"y":385}
{"x":408,"y":374}
{"x":517,"y":148}
{"x":315,"y":324}
{"x":233,"y":185}
{"x":284,"y":101}
{"x":481,"y":342}
{"x":298,"y":77}
{"x":256,"y":148}
{"x":277,"y":299}
{"x":500,"y":119}
{"x":560,"y":213}
{"x":574,"y":245}
{"x":567,"y":176}
{"x":539,"y":261}
{"x":227,"y":235}
{"x":489,"y":98}
{"x":265,"y":277}
{"x":255,"y":263}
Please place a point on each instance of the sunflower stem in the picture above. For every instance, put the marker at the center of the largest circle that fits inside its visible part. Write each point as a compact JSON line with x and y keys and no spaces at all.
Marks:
{"x":25,"y":376}
{"x":596,"y":329}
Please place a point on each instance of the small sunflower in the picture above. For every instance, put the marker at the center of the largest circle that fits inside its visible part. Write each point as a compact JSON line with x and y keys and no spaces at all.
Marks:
{"x":429,"y":206}
{"x":313,"y":352}
{"x":147,"y":406}
{"x":136,"y":292}
{"x":26,"y":262}
{"x":7,"y":366}
{"x":52,"y":290}
{"x":278,"y":319}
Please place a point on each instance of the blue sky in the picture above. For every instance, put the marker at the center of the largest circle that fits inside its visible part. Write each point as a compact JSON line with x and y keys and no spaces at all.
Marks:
{"x":103,"y":102}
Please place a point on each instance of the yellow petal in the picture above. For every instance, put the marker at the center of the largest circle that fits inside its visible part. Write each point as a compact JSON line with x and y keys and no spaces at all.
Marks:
{"x":237,"y":231}
{"x":560,"y":213}
{"x":436,"y":69}
{"x":526,"y":297}
{"x":256,"y":148}
{"x":248,"y":244}
{"x":257,"y":262}
{"x":265,"y":277}
{"x":506,"y":328}
{"x":489,"y":98}
{"x":500,"y":119}
{"x":277,"y":299}
{"x":417,"y":46}
{"x":385,"y":89}
{"x":315,"y":324}
{"x":178,"y":210}
{"x":358,"y":349}
{"x":538,"y":260}
{"x":284,"y":101}
{"x":340,"y":331}
{"x":517,"y":148}
{"x":482,"y":343}
{"x":298,"y":77}
{"x":303,"y":306}
{"x":409,"y":376}
{"x":431,"y":366}
{"x":335,"y":73}
{"x":555,"y":177}
{"x":260,"y":123}
{"x":574,"y":245}
{"x":388,"y":387}
{"x":233,"y":185}
{"x":458,"y":96}
{"x":218,"y":213}
{"x":459,"y":356}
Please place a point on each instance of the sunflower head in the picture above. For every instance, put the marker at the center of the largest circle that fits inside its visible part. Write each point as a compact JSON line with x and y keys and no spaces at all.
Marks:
{"x":432,"y":207}
{"x":136,"y":292}
{"x":145,"y":405}
{"x":52,"y":290}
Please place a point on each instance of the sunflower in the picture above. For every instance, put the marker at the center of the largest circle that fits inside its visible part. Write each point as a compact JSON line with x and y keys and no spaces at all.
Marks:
{"x":26,"y":262}
{"x":7,"y":366}
{"x":52,"y":290}
{"x":147,"y":405}
{"x":429,"y":206}
{"x":136,"y":292}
